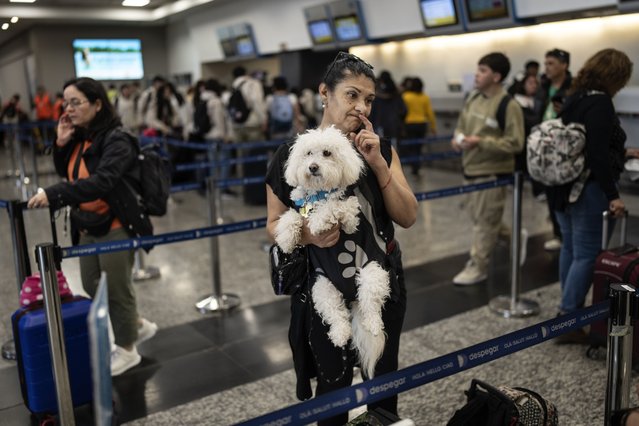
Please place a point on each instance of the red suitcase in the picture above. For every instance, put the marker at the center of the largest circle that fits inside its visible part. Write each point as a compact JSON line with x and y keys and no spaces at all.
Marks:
{"x":616,"y":265}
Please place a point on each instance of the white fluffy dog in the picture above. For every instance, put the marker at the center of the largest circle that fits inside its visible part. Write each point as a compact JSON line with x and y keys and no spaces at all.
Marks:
{"x":321,"y":165}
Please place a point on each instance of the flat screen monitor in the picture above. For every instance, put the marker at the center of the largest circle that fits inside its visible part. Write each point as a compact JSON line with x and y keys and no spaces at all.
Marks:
{"x":439,"y":13}
{"x":108,"y":59}
{"x":244,"y":46}
{"x":321,"y":31}
{"x":228,"y":47}
{"x":483,"y":10}
{"x":348,"y":28}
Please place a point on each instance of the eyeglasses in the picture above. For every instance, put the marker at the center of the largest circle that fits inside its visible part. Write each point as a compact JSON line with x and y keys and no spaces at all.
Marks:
{"x":345,"y":56}
{"x":73,"y":103}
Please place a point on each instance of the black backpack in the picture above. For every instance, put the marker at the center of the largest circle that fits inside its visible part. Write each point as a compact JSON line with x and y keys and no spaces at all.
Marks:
{"x":238,"y":109}
{"x":201,"y":118}
{"x":155,"y":179}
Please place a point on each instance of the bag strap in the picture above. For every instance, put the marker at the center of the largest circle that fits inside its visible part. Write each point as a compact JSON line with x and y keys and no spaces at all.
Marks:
{"x":78,"y":160}
{"x":501,"y":111}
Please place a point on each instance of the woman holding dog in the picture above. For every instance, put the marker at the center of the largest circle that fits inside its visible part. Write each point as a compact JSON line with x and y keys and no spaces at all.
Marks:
{"x":347,"y":92}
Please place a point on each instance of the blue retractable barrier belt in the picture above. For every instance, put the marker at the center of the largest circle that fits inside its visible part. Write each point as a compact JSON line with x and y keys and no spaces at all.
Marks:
{"x":456,"y":190}
{"x":153,"y":240}
{"x":4,"y":204}
{"x":390,"y":384}
{"x":209,"y":164}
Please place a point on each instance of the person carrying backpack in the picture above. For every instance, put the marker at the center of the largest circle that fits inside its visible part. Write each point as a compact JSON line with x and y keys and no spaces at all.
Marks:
{"x":246,"y":107}
{"x":488,"y":151}
{"x":100,"y":163}
{"x":283,"y":111}
{"x":579,"y":204}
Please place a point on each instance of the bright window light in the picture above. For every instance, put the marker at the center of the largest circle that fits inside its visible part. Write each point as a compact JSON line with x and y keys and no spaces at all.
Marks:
{"x":135,"y":3}
{"x":22,"y":1}
{"x":5,"y":26}
{"x":14,"y":20}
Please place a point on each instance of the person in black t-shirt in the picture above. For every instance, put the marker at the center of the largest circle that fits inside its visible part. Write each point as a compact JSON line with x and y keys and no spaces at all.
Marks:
{"x":347,"y":92}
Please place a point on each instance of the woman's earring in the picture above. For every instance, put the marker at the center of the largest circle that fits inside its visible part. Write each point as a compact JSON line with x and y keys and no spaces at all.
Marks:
{"x":323,"y":105}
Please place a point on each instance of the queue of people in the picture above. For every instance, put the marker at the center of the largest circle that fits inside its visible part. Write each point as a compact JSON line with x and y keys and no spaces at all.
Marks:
{"x":95,"y":154}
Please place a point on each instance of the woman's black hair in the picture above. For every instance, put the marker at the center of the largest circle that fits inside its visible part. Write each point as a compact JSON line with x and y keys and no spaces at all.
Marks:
{"x":416,"y":85}
{"x":345,"y":65}
{"x":385,"y":83}
{"x":106,"y":118}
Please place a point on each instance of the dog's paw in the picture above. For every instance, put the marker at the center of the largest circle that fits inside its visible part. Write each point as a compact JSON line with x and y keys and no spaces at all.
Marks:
{"x":320,"y":220}
{"x":288,"y":230}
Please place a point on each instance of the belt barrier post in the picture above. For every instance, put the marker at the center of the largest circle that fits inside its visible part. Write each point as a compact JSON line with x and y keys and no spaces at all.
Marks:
{"x":513,"y":305}
{"x":215,"y":155}
{"x":141,"y":272}
{"x":217,"y":301}
{"x":619,"y":357}
{"x":21,"y":261}
{"x":34,"y":163}
{"x":22,"y":177}
{"x":45,"y":257}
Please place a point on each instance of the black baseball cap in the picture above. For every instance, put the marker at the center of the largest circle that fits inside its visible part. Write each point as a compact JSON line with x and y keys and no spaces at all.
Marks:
{"x":562,"y":55}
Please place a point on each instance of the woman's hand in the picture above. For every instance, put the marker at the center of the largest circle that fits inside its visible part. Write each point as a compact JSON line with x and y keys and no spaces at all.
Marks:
{"x":367,"y":143}
{"x":326,"y":239}
{"x":65,"y":130}
{"x":38,"y":200}
{"x":617,"y":207}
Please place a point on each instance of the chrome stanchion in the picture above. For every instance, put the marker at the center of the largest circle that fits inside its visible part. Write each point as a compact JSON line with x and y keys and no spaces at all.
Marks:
{"x":513,"y":305}
{"x":142,"y":272}
{"x":45,"y":257}
{"x":20,"y":261}
{"x":23,"y":180}
{"x":217,"y":301}
{"x":619,"y":357}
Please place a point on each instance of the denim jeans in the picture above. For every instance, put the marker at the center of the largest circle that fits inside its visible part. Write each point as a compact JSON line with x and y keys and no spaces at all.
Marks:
{"x":581,"y":227}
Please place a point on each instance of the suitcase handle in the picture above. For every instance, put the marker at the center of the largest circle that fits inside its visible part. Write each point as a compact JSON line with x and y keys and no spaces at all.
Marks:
{"x":606,"y":216}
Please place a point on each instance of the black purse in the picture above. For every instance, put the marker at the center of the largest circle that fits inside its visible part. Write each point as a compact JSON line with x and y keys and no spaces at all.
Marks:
{"x":289,"y":271}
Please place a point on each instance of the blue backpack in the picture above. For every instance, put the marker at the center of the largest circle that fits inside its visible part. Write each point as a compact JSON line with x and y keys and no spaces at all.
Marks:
{"x":281,"y":114}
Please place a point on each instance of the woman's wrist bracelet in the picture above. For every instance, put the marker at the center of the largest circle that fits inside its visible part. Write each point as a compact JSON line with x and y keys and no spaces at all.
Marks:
{"x":390,"y":177}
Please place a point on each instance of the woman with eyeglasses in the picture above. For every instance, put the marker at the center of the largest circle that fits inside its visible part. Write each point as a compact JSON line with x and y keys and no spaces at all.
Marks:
{"x":99,"y":161}
{"x":347,"y":92}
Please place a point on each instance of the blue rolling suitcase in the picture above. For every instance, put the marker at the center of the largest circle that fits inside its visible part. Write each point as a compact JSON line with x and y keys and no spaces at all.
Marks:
{"x":35,"y":368}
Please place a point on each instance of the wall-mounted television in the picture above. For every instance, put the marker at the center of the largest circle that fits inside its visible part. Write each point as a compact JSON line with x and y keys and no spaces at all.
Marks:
{"x":237,"y":42}
{"x":488,"y":14}
{"x":441,"y":16}
{"x":348,"y":22}
{"x":628,"y":5}
{"x":108,"y":59}
{"x":320,"y":27}
{"x":321,"y":31}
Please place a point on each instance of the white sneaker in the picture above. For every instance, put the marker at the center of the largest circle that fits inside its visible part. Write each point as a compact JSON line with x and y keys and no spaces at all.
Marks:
{"x":552,"y":245}
{"x":123,"y":360}
{"x":146,"y":331}
{"x":523,"y":244}
{"x":470,"y":275}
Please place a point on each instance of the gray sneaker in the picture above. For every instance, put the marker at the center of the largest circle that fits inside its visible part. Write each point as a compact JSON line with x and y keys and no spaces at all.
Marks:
{"x":146,"y":331}
{"x":470,"y":275}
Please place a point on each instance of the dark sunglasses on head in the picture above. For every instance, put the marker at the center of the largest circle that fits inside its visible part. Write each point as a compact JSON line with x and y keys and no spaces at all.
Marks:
{"x":345,"y":56}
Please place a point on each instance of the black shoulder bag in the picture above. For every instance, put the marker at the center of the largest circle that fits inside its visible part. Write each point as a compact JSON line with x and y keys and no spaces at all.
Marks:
{"x":289,"y":271}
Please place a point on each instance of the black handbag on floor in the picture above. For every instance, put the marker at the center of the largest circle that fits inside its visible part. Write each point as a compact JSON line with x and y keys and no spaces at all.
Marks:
{"x":289,"y":271}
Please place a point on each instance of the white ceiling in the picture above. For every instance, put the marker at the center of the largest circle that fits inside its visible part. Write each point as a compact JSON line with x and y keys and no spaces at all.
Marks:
{"x":89,"y":11}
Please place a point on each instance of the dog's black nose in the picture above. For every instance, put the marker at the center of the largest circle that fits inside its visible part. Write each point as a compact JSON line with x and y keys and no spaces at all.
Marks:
{"x":313,"y":168}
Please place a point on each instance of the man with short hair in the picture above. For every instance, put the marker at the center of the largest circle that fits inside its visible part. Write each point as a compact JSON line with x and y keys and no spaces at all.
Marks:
{"x":488,"y":152}
{"x":554,"y":84}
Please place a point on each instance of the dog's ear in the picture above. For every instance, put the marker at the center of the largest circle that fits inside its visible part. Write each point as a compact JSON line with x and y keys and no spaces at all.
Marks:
{"x":290,"y":169}
{"x":353,"y":166}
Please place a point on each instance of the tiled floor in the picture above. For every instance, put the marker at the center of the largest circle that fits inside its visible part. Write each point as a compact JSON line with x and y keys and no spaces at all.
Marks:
{"x":195,"y":355}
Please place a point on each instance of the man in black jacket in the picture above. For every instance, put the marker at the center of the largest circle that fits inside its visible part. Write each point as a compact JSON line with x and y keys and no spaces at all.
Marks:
{"x":552,"y":92}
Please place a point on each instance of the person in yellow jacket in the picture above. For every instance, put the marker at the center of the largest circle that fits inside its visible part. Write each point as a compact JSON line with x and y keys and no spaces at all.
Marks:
{"x":419,"y":120}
